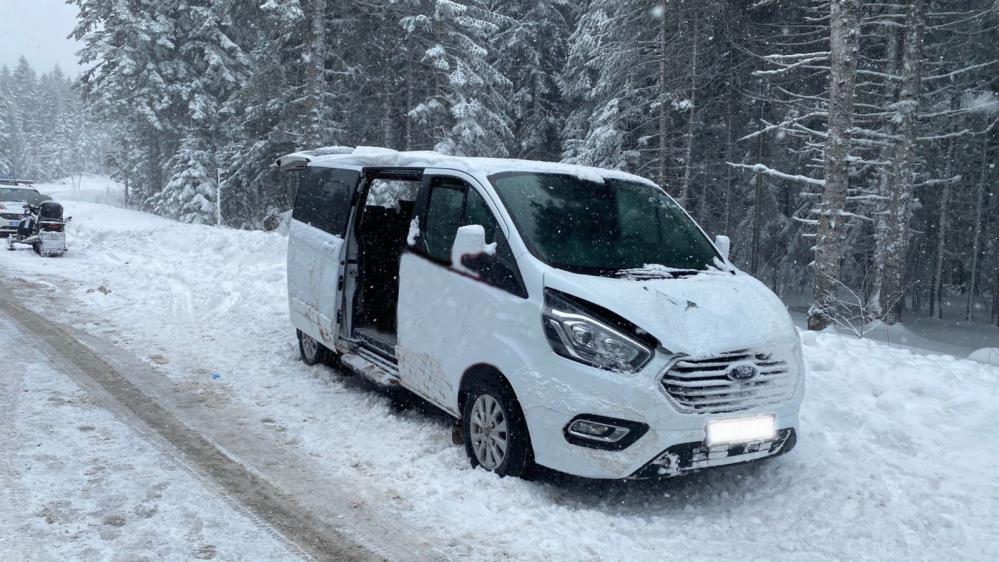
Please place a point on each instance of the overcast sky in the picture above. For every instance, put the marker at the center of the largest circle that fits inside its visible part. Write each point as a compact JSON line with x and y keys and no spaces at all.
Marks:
{"x":37,"y":29}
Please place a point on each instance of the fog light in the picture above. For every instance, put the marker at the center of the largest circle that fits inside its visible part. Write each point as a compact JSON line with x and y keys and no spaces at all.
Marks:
{"x":592,"y":428}
{"x":602,"y":432}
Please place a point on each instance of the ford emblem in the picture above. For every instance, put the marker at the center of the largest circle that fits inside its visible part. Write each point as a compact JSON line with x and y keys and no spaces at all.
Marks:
{"x":742,"y":372}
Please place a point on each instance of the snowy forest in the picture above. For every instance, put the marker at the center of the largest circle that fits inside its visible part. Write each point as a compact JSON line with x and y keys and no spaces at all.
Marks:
{"x":45,"y":130}
{"x":843,"y":145}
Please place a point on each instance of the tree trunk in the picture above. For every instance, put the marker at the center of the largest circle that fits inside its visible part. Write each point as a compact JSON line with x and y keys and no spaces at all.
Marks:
{"x":892,"y":67}
{"x":829,"y":240}
{"x":729,"y":146}
{"x":315,"y":73}
{"x":407,"y":122}
{"x":902,"y":168}
{"x":388,"y":125}
{"x":691,"y":120}
{"x":977,"y":229}
{"x":943,"y":225}
{"x":663,"y":106}
{"x":995,"y":294}
{"x":754,"y":255}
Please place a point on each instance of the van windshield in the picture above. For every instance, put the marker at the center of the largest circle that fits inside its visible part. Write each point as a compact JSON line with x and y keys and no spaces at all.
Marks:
{"x":612,"y":228}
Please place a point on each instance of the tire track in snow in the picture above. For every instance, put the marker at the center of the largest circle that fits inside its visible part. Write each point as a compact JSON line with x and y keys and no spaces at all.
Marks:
{"x":10,"y":490}
{"x":262,"y":498}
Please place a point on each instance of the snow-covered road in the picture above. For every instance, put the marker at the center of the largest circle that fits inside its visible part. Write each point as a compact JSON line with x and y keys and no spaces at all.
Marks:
{"x":78,"y":483}
{"x":896,"y":458}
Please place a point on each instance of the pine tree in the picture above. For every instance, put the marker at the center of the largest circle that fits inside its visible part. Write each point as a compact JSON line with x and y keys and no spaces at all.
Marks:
{"x":190,"y":195}
{"x":467,"y":103}
{"x":530,"y":52}
{"x":7,"y":123}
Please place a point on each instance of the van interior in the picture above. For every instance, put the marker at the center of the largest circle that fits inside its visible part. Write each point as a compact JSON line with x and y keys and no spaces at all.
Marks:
{"x":380,"y":234}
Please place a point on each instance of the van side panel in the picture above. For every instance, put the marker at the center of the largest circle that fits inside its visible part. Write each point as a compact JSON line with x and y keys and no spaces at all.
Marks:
{"x":316,"y":250}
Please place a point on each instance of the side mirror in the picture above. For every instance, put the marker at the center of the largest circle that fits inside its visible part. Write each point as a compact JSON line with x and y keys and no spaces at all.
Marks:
{"x":469,"y":241}
{"x":724,"y":245}
{"x":67,"y":220}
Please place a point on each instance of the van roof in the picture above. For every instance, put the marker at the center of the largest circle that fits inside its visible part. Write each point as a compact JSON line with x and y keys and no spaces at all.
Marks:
{"x":376,"y":157}
{"x":16,"y":183}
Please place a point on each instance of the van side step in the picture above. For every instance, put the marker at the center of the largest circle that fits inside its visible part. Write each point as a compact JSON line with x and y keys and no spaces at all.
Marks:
{"x":381,"y":342}
{"x":371,"y":366}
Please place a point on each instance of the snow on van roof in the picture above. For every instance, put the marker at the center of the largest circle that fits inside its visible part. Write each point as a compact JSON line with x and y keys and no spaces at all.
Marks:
{"x":371,"y":156}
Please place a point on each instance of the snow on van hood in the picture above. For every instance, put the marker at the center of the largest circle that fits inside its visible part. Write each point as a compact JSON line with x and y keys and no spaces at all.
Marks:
{"x":705,"y":314}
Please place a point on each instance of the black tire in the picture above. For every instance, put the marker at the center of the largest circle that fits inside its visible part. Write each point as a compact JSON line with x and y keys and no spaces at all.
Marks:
{"x":518,"y":459}
{"x":37,"y":248}
{"x":312,"y":352}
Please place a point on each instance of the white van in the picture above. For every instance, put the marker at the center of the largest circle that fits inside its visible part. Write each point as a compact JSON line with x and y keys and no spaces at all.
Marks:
{"x":575,"y":318}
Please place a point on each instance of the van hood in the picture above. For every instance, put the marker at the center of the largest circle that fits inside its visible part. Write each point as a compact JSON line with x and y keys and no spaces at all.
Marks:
{"x":705,"y":314}
{"x":12,"y":207}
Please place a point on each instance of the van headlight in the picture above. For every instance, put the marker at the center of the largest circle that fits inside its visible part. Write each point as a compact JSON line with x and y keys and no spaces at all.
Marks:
{"x":577,"y":334}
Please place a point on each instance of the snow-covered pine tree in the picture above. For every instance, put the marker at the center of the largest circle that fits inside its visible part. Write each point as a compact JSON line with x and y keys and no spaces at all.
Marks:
{"x":530,"y":51}
{"x":267,"y":116}
{"x":27,"y":122}
{"x":465,"y":101}
{"x":161,"y":68}
{"x":7,"y":123}
{"x":190,"y":194}
{"x":647,"y":83}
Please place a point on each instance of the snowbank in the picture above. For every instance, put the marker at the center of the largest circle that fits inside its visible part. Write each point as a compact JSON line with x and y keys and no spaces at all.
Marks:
{"x":987,"y":355}
{"x":896,"y":459}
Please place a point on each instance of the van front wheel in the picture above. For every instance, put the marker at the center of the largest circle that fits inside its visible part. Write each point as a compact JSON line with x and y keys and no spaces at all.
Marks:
{"x":495,"y":433}
{"x":312,"y":351}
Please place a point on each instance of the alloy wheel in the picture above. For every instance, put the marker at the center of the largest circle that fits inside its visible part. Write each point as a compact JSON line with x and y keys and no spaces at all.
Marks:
{"x":488,"y":425}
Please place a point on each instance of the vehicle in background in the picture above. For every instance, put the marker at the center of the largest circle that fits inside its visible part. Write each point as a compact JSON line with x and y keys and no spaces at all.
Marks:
{"x":14,"y":196}
{"x":43,"y":228}
{"x":570,"y":317}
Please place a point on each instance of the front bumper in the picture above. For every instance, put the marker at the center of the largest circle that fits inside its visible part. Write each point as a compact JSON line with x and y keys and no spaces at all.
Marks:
{"x":688,"y":457}
{"x":672,"y":434}
{"x":9,"y":222}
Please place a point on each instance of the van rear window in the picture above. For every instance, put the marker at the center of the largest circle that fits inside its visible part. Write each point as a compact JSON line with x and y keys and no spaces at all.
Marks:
{"x":324,"y":196}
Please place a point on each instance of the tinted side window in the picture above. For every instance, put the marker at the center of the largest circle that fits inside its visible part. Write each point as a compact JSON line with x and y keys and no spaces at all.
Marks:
{"x":443,"y":219}
{"x":477,"y":212}
{"x":324,"y":197}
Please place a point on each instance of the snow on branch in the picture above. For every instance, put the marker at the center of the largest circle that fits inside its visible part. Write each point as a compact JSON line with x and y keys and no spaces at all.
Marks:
{"x":784,"y":124}
{"x":785,"y":67}
{"x":761,"y":169}
{"x":939,"y":181}
{"x":961,"y":71}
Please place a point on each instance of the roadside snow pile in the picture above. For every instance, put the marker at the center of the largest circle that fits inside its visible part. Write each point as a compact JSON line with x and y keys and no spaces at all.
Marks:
{"x":896,"y":459}
{"x":987,"y":355}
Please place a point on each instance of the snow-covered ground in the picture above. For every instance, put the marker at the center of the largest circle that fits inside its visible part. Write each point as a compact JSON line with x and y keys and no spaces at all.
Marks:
{"x":896,"y":457}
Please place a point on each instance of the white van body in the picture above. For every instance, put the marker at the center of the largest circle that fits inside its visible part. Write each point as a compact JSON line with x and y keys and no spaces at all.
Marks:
{"x":646,"y":372}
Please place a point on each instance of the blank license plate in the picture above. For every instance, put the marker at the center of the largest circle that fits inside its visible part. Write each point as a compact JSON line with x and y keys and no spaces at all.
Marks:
{"x":741,"y":430}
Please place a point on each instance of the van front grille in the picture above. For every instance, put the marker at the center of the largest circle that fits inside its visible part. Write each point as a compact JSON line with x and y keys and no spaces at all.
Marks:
{"x":712,"y":385}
